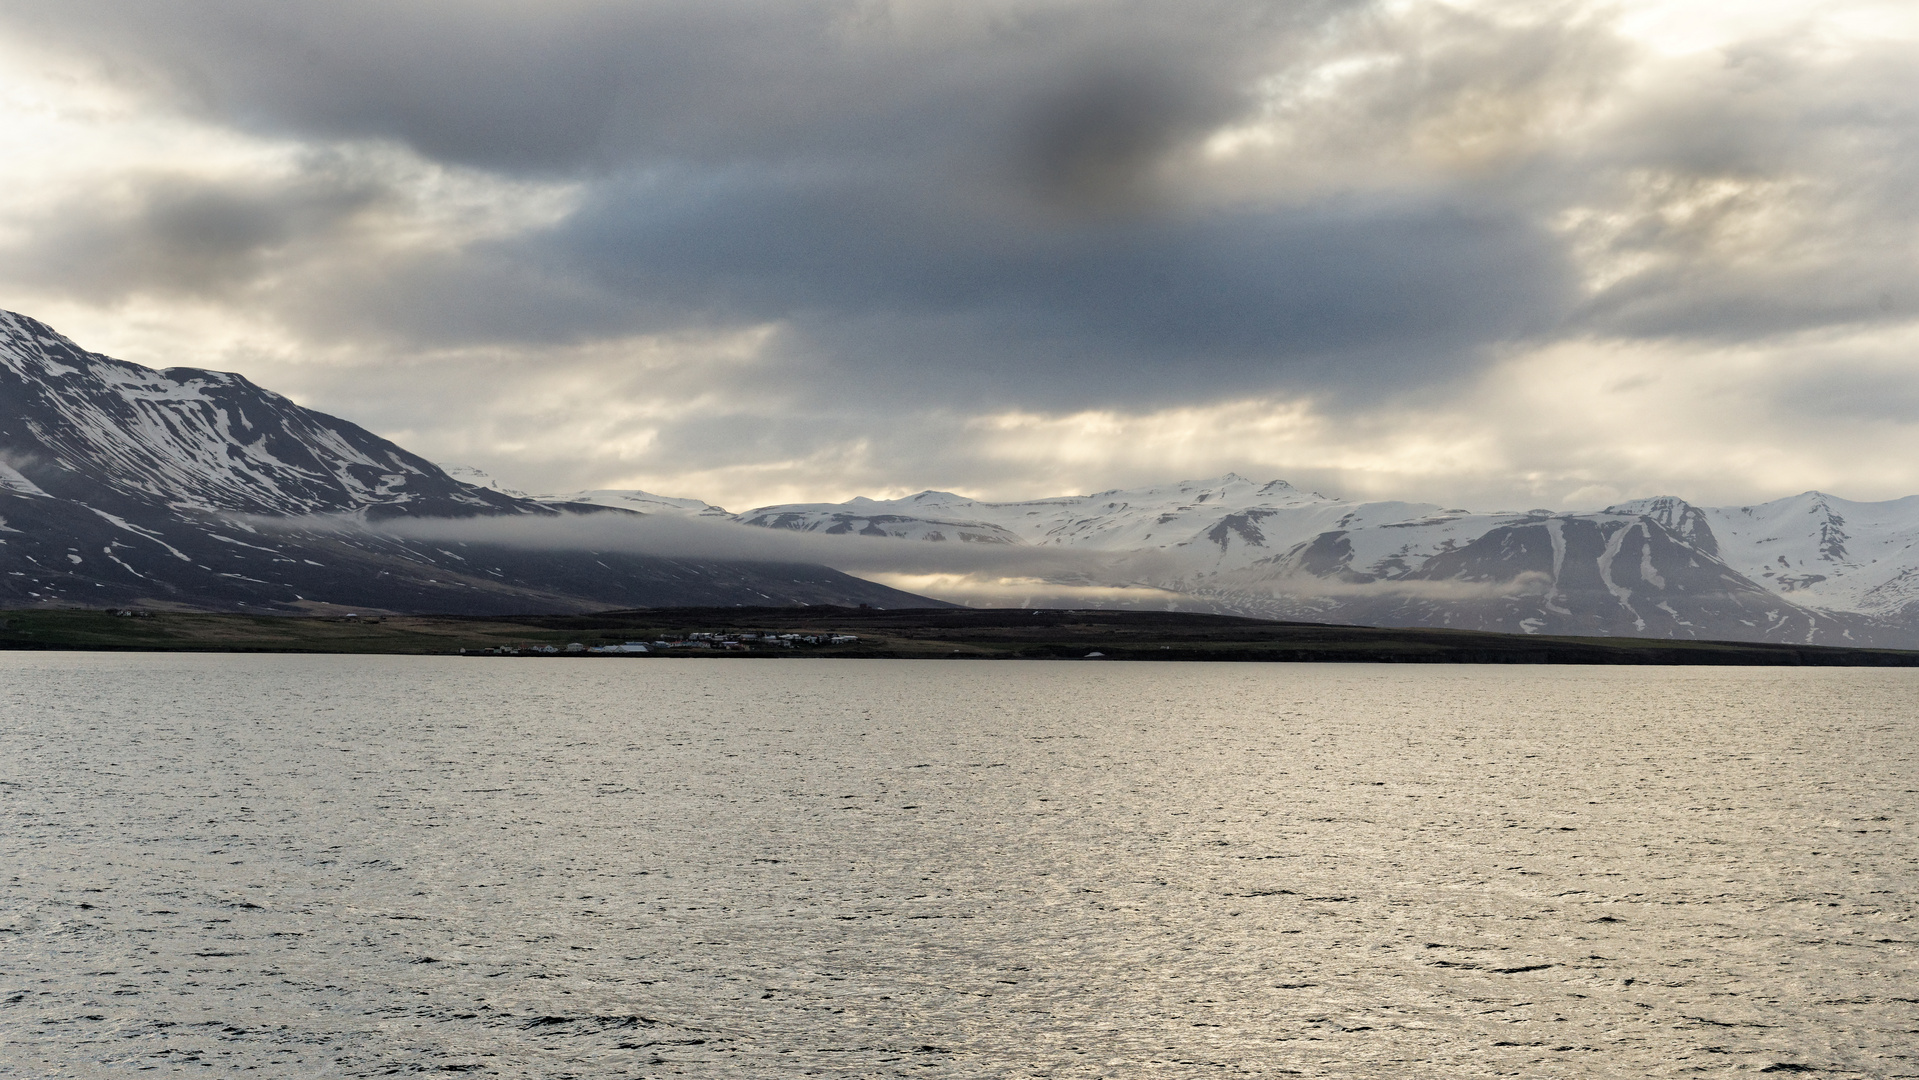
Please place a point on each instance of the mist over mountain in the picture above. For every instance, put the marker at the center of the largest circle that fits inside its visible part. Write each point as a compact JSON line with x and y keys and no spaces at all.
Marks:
{"x":121,"y":485}
{"x":1810,"y":568}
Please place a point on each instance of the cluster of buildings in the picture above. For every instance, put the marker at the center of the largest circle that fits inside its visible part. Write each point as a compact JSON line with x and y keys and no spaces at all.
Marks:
{"x":727,"y":642}
{"x":735,"y":642}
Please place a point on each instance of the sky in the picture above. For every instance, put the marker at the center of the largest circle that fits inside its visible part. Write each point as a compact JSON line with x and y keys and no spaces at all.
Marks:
{"x":1487,"y":254}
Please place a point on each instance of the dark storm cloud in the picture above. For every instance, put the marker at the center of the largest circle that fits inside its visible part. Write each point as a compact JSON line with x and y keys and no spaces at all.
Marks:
{"x":501,"y":84}
{"x":1008,"y":202}
{"x":1153,"y":305}
{"x":898,"y":296}
{"x":566,"y":83}
{"x":1090,"y":145}
{"x":974,"y":201}
{"x":181,"y":234}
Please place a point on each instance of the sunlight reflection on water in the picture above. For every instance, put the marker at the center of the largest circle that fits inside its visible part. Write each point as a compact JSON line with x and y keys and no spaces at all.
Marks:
{"x":354,"y":866}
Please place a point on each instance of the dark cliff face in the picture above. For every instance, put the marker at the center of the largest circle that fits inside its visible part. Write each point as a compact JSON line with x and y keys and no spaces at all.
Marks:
{"x":121,"y":485}
{"x":1681,"y":518}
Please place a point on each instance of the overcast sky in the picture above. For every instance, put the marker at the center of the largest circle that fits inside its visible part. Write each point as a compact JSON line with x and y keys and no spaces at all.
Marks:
{"x":1486,"y":254}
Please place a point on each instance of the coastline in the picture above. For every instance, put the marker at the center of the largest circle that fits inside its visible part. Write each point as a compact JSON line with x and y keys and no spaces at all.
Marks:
{"x":928,"y":634}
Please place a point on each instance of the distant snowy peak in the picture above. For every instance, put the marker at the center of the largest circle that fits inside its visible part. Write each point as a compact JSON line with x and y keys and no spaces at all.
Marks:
{"x":1784,"y":570}
{"x":1230,"y":488}
{"x":1824,"y":550}
{"x":1682,"y":518}
{"x":1814,"y":549}
{"x":480,"y":478}
{"x":873,"y":519}
{"x":81,"y":426}
{"x":643,"y":502}
{"x":1207,"y":525}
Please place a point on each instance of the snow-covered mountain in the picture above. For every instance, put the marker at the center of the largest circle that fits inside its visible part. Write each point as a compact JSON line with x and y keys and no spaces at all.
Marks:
{"x":122,"y":485}
{"x":477,"y":477}
{"x":1610,"y":572}
{"x":633,"y":499}
{"x":640,"y":502}
{"x":1207,"y":526}
{"x":87,"y":426}
{"x":1806,"y":568}
{"x":1821,"y":550}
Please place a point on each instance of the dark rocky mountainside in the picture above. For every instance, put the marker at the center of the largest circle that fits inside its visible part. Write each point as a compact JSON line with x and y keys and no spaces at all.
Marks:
{"x":121,"y":486}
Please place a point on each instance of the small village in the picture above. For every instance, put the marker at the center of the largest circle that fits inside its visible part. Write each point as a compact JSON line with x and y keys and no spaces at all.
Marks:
{"x":689,"y":644}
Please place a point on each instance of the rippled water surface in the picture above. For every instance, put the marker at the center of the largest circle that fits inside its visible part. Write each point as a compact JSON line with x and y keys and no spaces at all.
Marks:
{"x":332,"y":866}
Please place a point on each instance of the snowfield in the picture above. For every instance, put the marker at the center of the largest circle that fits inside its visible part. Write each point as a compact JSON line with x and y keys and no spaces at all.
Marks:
{"x":1809,"y":568}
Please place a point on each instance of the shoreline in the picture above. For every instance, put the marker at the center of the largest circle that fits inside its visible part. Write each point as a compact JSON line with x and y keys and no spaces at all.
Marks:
{"x":879,"y":634}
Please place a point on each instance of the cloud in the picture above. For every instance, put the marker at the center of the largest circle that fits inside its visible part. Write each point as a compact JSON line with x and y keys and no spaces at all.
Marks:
{"x":525,"y":234}
{"x":1339,"y":192}
{"x":488,"y":84}
{"x":966,"y":569}
{"x":587,"y":83}
{"x":916,"y":192}
{"x":973,"y":574}
{"x":182,"y":234}
{"x":1252,"y":582}
{"x":1765,"y":191}
{"x":1091,"y":146}
{"x":890,"y":298}
{"x":986,"y":590}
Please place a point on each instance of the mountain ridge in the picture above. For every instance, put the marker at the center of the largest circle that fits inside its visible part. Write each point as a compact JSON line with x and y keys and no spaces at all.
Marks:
{"x":127,"y":485}
{"x":123,"y":485}
{"x":1810,"y":568}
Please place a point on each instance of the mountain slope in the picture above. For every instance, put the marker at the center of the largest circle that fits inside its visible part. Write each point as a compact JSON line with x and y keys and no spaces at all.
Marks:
{"x":121,"y":485}
{"x":1204,"y":526}
{"x":1585,"y":574}
{"x":1825,"y":551}
{"x":1810,"y":569}
{"x":640,"y":502}
{"x":83,"y":426}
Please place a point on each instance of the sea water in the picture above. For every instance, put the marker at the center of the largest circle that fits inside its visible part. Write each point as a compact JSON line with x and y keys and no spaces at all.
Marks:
{"x":360,"y":866}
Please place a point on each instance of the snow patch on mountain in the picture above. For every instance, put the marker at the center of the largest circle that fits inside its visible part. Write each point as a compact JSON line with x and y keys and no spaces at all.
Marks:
{"x":1826,"y":551}
{"x":1808,"y":568}
{"x":469,"y":474}
{"x":642,"y":502}
{"x":1204,"y":526}
{"x":12,"y":479}
{"x":77,"y":422}
{"x":121,"y":485}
